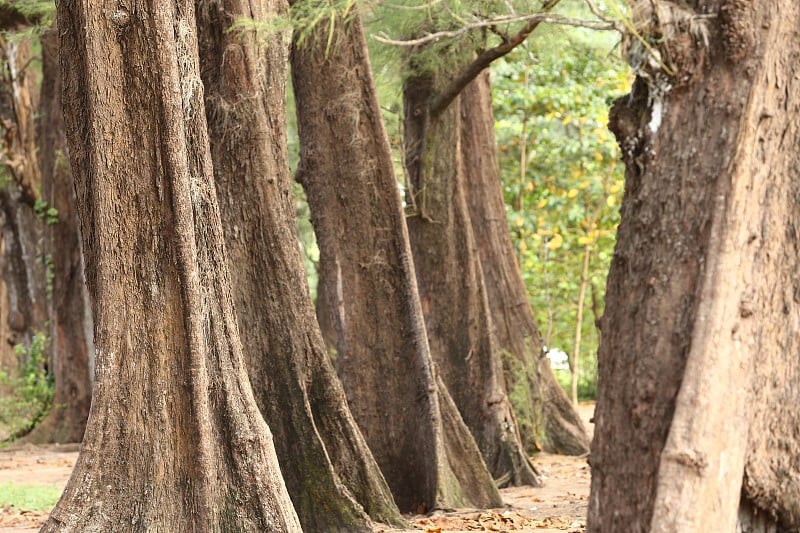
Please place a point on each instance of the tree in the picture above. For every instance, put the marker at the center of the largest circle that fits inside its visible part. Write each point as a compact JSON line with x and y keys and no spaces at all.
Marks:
{"x":70,"y":321}
{"x":20,"y":198}
{"x":451,"y":282}
{"x":174,"y":440}
{"x":545,"y":416}
{"x":697,"y":420}
{"x":23,"y":213}
{"x":333,"y":479}
{"x":367,"y":288}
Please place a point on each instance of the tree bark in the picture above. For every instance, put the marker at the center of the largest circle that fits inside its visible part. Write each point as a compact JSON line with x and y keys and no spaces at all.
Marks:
{"x":70,"y":347}
{"x":331,"y":475}
{"x":174,"y":441}
{"x":546,"y":419}
{"x":697,"y":421}
{"x":451,"y":281}
{"x":367,"y":284}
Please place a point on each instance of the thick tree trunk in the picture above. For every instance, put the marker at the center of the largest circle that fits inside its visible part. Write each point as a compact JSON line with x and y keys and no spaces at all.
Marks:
{"x":333,"y":479}
{"x":367,"y":281}
{"x":70,"y":346}
{"x":698,"y":396}
{"x":546,"y":419}
{"x":451,"y":282}
{"x":174,"y":441}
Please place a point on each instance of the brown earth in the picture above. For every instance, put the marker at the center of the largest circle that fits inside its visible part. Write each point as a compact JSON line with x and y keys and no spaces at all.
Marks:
{"x":557,"y":507}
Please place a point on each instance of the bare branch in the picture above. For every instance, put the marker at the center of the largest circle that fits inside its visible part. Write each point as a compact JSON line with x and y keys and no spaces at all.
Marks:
{"x":534,"y":19}
{"x":599,"y":14}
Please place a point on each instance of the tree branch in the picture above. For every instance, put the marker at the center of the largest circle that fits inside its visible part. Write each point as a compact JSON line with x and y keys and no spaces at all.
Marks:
{"x":534,"y":19}
{"x":441,"y":101}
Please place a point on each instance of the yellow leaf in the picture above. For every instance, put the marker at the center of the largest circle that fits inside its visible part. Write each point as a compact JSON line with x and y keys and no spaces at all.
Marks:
{"x":572,"y":193}
{"x":566,"y":120}
{"x":520,"y":221}
{"x":523,"y":246}
{"x":544,"y":232}
{"x":529,"y":186}
{"x":615,"y":187}
{"x":611,"y":201}
{"x":584,"y":184}
{"x":556,"y":242}
{"x":584,"y":240}
{"x":597,"y":155}
{"x":542,"y":203}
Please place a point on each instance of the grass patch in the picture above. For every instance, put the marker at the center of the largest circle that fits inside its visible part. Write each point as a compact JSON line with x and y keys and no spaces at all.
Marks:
{"x":29,"y":497}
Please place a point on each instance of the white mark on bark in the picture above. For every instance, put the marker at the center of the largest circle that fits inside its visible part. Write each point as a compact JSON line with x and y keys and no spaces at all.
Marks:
{"x":656,"y":114}
{"x":339,"y":294}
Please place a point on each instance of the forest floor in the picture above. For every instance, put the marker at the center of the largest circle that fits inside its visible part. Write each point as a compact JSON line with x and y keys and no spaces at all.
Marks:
{"x":560,"y":505}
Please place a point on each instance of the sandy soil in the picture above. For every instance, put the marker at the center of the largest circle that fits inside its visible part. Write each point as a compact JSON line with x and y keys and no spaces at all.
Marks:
{"x":557,"y":507}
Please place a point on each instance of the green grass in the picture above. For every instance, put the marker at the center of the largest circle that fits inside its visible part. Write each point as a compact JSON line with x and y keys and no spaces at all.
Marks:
{"x":29,"y":497}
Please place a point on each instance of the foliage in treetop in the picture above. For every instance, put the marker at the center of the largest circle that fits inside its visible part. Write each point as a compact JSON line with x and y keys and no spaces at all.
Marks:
{"x":563,"y":191}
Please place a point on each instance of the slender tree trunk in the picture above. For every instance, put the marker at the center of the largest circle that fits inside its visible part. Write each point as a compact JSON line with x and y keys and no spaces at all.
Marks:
{"x":8,"y":359}
{"x":334,"y":481}
{"x":546,"y":419}
{"x":174,"y":441}
{"x":697,"y":415}
{"x":575,"y":363}
{"x":451,"y":281}
{"x":70,"y":346}
{"x":367,"y":281}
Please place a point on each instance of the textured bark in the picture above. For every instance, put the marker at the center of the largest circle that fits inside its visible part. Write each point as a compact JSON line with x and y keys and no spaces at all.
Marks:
{"x":367,"y":289}
{"x":70,"y":347}
{"x":547,"y":421}
{"x":333,"y":479}
{"x":451,"y":281}
{"x":698,"y":397}
{"x":174,"y":441}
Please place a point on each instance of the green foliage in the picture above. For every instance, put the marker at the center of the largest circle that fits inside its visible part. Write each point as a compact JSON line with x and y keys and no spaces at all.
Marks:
{"x":308,"y":16}
{"x":561,"y":175}
{"x":29,"y":497}
{"x":263,"y":30}
{"x":30,"y":391}
{"x":462,"y":22}
{"x":45,"y":212}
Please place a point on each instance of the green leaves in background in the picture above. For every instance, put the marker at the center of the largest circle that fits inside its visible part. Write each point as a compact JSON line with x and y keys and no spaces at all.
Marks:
{"x":562,"y":177}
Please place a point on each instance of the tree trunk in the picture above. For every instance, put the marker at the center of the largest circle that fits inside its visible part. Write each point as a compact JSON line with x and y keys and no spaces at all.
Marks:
{"x":70,"y":346}
{"x":546,"y":419}
{"x":24,"y":264}
{"x":451,"y":281}
{"x":333,"y":479}
{"x":367,"y":281}
{"x":174,"y":441}
{"x":698,"y":396}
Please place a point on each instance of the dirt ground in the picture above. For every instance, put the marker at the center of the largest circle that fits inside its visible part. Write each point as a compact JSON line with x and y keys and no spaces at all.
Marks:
{"x":560,"y":505}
